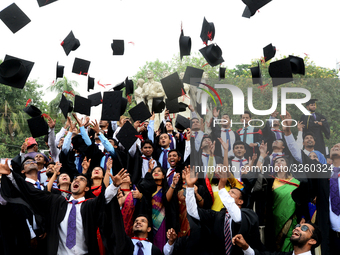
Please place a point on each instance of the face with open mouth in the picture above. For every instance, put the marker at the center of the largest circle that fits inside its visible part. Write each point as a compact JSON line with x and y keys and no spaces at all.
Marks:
{"x":64,"y":179}
{"x":79,"y":185}
{"x":164,"y":140}
{"x":301,"y":234}
{"x":335,"y":151}
{"x":97,"y":173}
{"x":173,"y":159}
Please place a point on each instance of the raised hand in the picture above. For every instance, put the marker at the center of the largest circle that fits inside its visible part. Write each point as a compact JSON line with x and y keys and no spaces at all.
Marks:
{"x":118,"y":178}
{"x":190,"y":180}
{"x":85,"y":165}
{"x":151,"y":165}
{"x":51,"y":123}
{"x":79,"y":121}
{"x":4,"y":168}
{"x":136,"y":194}
{"x":215,"y":112}
{"x":95,"y":126}
{"x":300,"y":126}
{"x":152,"y":116}
{"x":225,"y":145}
{"x":109,"y":164}
{"x":175,"y":179}
{"x":171,"y":235}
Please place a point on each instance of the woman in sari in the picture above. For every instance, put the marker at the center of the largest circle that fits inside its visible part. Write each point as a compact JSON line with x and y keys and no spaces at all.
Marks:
{"x":160,"y":201}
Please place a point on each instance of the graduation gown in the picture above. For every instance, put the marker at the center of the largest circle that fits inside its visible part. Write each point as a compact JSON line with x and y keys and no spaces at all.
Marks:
{"x":216,"y":133}
{"x":212,"y":224}
{"x":53,"y":208}
{"x":317,"y":130}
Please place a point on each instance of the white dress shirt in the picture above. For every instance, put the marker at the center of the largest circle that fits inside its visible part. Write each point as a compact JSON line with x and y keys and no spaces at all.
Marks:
{"x":147,"y":247}
{"x":236,"y":167}
{"x":232,"y":141}
{"x":250,"y":251}
{"x":145,"y":165}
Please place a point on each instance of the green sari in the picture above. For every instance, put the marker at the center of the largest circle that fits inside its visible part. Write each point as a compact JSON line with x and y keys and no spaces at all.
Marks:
{"x":284,"y":214}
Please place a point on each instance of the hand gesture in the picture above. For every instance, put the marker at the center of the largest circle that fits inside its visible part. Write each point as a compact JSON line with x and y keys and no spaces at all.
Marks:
{"x":171,"y":235}
{"x":136,"y":194}
{"x":300,"y":126}
{"x":72,"y":125}
{"x":188,"y":134}
{"x":225,"y":145}
{"x":95,"y":126}
{"x":215,"y":112}
{"x":175,"y":179}
{"x":212,"y":148}
{"x":67,"y":123}
{"x":118,"y":178}
{"x":57,"y":167}
{"x":151,"y":164}
{"x":87,"y":121}
{"x":152,"y":116}
{"x":121,"y":196}
{"x":24,"y":147}
{"x":85,"y":165}
{"x":51,"y":123}
{"x":263,"y":149}
{"x":190,"y":180}
{"x":4,"y":168}
{"x":274,"y":114}
{"x":79,"y":121}
{"x":288,"y":120}
{"x":191,"y":108}
{"x":109,"y":164}
{"x":240,"y":242}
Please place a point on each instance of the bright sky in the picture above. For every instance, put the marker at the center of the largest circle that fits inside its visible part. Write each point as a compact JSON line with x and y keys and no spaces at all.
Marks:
{"x":294,"y":27}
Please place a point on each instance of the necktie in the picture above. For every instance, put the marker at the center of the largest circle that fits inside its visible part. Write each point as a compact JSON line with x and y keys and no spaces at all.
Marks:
{"x":165,"y":159}
{"x":39,"y":175}
{"x":277,"y":134}
{"x":227,"y":234}
{"x":334,"y":191}
{"x":314,"y":115}
{"x":245,"y":135}
{"x":171,"y":176}
{"x":71,"y":226}
{"x":273,"y":157}
{"x":172,"y":142}
{"x":228,"y":139}
{"x":196,"y":133}
{"x":140,"y":250}
{"x":107,"y":155}
{"x":38,"y":185}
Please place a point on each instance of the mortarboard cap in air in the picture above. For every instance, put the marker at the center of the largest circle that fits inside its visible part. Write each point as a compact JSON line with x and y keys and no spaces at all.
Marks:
{"x":123,"y":105}
{"x":208,"y":31}
{"x":269,"y":52}
{"x":253,"y":6}
{"x":172,"y":86}
{"x":112,"y":102}
{"x":14,"y":18}
{"x":38,"y":126}
{"x":297,"y":64}
{"x":280,"y":71}
{"x":81,"y":66}
{"x":65,"y":106}
{"x":256,"y":74}
{"x":59,"y":71}
{"x":127,"y":135}
{"x":15,"y":71}
{"x":119,"y":86}
{"x":172,"y":105}
{"x":221,"y":73}
{"x":117,"y":47}
{"x":140,"y":112}
{"x":128,"y":86}
{"x":193,"y":75}
{"x":158,"y":105}
{"x":182,"y":122}
{"x":96,"y":99}
{"x":45,"y":2}
{"x":90,"y":83}
{"x":184,"y":45}
{"x":70,"y":43}
{"x":213,"y":54}
{"x":82,"y":105}
{"x":32,"y":111}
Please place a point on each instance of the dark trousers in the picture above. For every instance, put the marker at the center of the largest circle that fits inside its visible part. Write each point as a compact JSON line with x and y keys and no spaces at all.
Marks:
{"x":334,"y":242}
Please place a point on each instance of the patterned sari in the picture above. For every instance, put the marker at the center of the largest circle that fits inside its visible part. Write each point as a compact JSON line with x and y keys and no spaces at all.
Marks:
{"x":158,"y":220}
{"x":127,"y":213}
{"x":284,"y":214}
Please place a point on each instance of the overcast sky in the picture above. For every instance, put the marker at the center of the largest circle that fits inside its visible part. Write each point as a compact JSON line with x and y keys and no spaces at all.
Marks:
{"x":294,"y":27}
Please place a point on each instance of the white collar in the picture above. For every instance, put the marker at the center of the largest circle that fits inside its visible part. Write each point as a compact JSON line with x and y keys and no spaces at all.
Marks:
{"x":79,"y":199}
{"x":305,"y":253}
{"x":31,"y":180}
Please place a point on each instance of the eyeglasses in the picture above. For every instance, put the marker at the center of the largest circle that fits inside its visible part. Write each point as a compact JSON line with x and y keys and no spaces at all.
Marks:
{"x":304,"y":228}
{"x":30,"y":162}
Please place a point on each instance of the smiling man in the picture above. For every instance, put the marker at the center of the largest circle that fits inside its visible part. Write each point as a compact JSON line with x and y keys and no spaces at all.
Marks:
{"x":71,"y":224}
{"x":305,"y":237}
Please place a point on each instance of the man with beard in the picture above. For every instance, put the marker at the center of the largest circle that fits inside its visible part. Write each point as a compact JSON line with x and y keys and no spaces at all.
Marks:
{"x":305,"y":237}
{"x":41,"y":160}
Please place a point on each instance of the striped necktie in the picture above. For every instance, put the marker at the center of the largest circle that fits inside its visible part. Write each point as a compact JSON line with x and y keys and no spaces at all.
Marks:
{"x":227,"y":234}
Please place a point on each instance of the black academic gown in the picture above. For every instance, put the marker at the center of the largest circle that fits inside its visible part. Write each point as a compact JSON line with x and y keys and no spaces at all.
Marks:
{"x":317,"y":130}
{"x":53,"y":208}
{"x":257,"y":139}
{"x":212,"y":224}
{"x":216,"y":133}
{"x":272,"y":253}
{"x":269,"y":137}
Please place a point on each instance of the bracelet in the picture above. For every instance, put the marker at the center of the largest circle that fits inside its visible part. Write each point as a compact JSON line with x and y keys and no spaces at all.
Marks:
{"x":200,"y":200}
{"x":172,"y":187}
{"x":261,"y":159}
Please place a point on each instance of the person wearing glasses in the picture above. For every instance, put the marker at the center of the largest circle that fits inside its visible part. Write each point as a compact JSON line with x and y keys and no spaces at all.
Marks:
{"x":305,"y":237}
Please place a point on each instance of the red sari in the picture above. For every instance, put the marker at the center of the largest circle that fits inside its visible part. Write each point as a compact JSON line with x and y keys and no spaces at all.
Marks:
{"x":127,"y":211}
{"x":96,"y":190}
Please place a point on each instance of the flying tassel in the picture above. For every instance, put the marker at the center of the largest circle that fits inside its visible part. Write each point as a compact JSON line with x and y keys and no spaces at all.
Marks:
{"x":28,"y":101}
{"x":103,"y":85}
{"x":68,"y":92}
{"x":129,"y":98}
{"x":211,"y":88}
{"x":45,"y":116}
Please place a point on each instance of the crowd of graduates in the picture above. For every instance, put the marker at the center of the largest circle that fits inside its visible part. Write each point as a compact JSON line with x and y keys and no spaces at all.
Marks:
{"x":124,"y":187}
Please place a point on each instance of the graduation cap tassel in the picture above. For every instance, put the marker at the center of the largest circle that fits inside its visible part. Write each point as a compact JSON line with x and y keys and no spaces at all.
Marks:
{"x":45,"y":115}
{"x":28,"y":101}
{"x":68,"y":92}
{"x":210,"y":36}
{"x":128,"y":98}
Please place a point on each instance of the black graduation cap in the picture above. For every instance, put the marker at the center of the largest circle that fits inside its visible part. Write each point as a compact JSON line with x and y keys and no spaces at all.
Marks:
{"x":90,"y":83}
{"x":221,"y":73}
{"x":45,"y":2}
{"x":140,"y":112}
{"x":129,"y":86}
{"x":311,"y":101}
{"x":123,"y":105}
{"x":182,"y":107}
{"x":172,"y":86}
{"x":59,"y":71}
{"x":256,"y":74}
{"x":127,"y":135}
{"x":254,"y":5}
{"x":280,"y":71}
{"x":15,"y":71}
{"x":38,"y":126}
{"x":96,"y":99}
{"x":70,"y":43}
{"x":269,"y":52}
{"x":213,"y":54}
{"x":117,"y":47}
{"x":32,"y":111}
{"x":111,"y":109}
{"x":82,"y":105}
{"x":81,"y":66}
{"x":119,"y":86}
{"x":193,"y":75}
{"x":65,"y":106}
{"x":208,"y":31}
{"x":297,"y":64}
{"x":182,"y":122}
{"x":184,"y":45}
{"x":172,"y":105}
{"x":14,"y":18}
{"x":158,"y":105}
{"x":246,"y":13}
